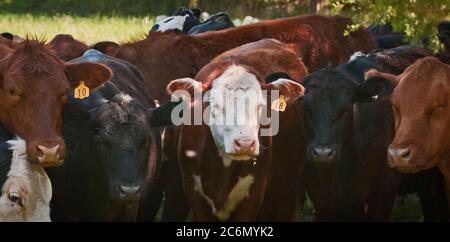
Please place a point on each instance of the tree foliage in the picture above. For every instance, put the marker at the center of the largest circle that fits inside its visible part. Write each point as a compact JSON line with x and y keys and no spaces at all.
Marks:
{"x":418,"y":19}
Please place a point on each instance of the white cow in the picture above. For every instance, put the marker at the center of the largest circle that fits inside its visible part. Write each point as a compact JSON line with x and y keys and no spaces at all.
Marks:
{"x":27,"y":191}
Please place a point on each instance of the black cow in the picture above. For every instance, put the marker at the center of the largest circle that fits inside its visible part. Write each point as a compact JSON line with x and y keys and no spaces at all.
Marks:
{"x":181,"y":21}
{"x":386,"y":38}
{"x":380,"y":29}
{"x":114,"y":150}
{"x":347,"y":176}
{"x":214,"y":22}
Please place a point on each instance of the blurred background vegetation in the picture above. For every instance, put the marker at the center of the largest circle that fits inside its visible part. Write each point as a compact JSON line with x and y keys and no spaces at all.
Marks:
{"x":417,"y":18}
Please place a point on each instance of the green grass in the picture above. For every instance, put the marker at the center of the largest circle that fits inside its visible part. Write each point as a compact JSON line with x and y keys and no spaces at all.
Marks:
{"x":86,"y":29}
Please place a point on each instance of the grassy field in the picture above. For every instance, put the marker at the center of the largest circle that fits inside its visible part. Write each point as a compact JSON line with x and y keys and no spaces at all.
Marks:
{"x":87,"y":29}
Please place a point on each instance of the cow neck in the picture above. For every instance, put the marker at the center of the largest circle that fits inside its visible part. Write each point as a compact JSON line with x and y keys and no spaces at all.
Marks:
{"x":216,"y":180}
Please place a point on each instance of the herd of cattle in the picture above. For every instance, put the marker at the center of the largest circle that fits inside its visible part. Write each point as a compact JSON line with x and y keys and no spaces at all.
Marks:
{"x":366,"y":119}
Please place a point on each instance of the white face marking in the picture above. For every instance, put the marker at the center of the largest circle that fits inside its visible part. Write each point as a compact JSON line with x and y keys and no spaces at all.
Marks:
{"x":125,"y":98}
{"x":174,"y":22}
{"x":24,"y":176}
{"x":240,"y":191}
{"x":190,"y":153}
{"x":356,"y":55}
{"x":236,"y":103}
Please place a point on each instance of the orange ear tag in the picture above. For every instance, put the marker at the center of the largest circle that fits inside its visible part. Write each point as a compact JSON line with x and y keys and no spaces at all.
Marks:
{"x":82,"y":91}
{"x":279,"y":104}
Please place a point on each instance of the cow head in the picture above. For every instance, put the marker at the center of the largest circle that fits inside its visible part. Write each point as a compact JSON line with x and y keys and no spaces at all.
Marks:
{"x":27,"y":191}
{"x":420,"y":102}
{"x":127,"y":142}
{"x":236,"y":104}
{"x":66,"y":47}
{"x":328,"y":104}
{"x":33,"y":90}
{"x":182,"y":21}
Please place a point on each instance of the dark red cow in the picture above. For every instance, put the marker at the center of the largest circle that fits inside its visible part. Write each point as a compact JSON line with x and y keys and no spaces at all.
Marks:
{"x":232,"y":172}
{"x":318,"y":40}
{"x":33,"y":89}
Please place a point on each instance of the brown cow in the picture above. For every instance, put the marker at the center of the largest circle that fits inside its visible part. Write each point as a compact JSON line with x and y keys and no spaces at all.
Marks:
{"x":226,"y":175}
{"x":33,"y":89}
{"x":4,"y":51}
{"x":66,"y":47}
{"x":319,"y":40}
{"x":420,"y":102}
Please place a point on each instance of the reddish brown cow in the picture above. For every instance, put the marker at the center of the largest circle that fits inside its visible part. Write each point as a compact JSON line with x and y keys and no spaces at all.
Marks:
{"x":4,"y":50}
{"x":318,"y":40}
{"x":12,"y":42}
{"x":66,"y":47}
{"x":420,"y":101}
{"x":226,"y":176}
{"x":33,"y":89}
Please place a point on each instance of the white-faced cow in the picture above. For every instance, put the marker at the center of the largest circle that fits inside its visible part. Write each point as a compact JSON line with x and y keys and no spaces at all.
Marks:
{"x":26,"y":190}
{"x":232,"y":171}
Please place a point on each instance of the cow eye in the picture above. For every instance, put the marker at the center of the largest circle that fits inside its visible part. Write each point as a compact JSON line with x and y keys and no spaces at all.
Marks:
{"x":13,"y":93}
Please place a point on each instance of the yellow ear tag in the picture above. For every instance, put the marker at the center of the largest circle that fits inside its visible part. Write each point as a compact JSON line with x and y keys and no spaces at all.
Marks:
{"x":82,"y":91}
{"x":279,"y":104}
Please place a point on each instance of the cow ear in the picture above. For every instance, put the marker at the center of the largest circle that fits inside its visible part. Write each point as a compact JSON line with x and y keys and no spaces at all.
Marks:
{"x":377,"y":85}
{"x":92,"y":74}
{"x":179,"y":88}
{"x":162,"y":115}
{"x":277,"y":75}
{"x":107,"y":47}
{"x":197,"y":12}
{"x":7,"y":36}
{"x":287,"y":87}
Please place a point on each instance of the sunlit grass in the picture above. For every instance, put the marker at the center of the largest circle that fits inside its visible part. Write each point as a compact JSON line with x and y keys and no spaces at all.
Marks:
{"x":87,"y":29}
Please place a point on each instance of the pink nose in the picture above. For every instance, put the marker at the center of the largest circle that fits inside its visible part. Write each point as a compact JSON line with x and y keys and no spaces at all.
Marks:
{"x":244,"y":145}
{"x":399,"y":156}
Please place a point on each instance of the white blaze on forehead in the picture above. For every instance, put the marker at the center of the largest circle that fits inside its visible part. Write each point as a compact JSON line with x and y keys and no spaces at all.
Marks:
{"x":31,"y":183}
{"x":356,"y":55}
{"x":125,"y":98}
{"x":236,"y":101}
{"x":175,"y":22}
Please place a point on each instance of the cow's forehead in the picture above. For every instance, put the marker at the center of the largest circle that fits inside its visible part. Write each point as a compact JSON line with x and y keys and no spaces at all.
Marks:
{"x":426,"y":89}
{"x":236,"y":78}
{"x":329,"y":79}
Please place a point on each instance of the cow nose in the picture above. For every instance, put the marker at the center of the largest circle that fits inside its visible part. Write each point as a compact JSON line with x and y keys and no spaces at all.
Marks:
{"x":130,"y":193}
{"x":244,"y":145}
{"x":399,"y":156}
{"x":323,"y":153}
{"x":50,"y":156}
